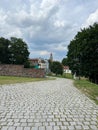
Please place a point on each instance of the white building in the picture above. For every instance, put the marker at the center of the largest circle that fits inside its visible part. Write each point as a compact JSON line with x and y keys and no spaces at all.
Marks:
{"x":44,"y":64}
{"x":40,"y":63}
{"x":66,"y":69}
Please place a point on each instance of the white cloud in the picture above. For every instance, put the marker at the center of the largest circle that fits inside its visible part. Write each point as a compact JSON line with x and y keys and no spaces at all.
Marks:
{"x":37,"y":54}
{"x":59,"y":23}
{"x":61,"y":47}
{"x":93,"y":17}
{"x":3,"y":18}
{"x":42,"y":53}
{"x":49,"y":3}
{"x":14,"y":33}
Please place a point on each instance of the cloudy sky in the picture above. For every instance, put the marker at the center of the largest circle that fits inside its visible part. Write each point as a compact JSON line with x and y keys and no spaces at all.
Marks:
{"x":47,"y":26}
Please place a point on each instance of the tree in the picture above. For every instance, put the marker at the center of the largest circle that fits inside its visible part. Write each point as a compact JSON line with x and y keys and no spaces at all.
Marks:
{"x":19,"y":51}
{"x":4,"y":51}
{"x":27,"y":64}
{"x":65,"y":61}
{"x":57,"y":67}
{"x":83,"y":53}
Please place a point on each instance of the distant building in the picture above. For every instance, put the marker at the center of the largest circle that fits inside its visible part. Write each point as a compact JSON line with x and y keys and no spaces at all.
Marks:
{"x":43,"y":63}
{"x":51,"y":57}
{"x":66,"y":69}
{"x":40,"y":63}
{"x":34,"y":63}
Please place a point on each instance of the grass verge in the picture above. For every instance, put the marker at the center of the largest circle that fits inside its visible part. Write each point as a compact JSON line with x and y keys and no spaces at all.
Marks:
{"x":68,"y":76}
{"x":13,"y":80}
{"x":88,"y":88}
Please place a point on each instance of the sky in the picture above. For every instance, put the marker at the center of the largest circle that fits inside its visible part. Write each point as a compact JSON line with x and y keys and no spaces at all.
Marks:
{"x":47,"y":26}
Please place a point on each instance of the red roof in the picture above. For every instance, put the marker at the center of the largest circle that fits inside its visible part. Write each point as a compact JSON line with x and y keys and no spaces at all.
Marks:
{"x":66,"y":67}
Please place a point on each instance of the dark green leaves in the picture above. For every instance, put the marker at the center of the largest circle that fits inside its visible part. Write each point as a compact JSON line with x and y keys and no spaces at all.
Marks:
{"x":56,"y":67}
{"x":83,"y":53}
{"x":13,"y":51}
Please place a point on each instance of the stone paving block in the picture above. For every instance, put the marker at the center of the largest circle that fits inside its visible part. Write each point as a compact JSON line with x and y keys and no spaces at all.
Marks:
{"x":59,"y":123}
{"x":2,"y":120}
{"x":66,"y":123}
{"x":56,"y":128}
{"x":29,"y":120}
{"x":49,"y":120}
{"x":4,"y":128}
{"x":71,"y":127}
{"x":52,"y":123}
{"x":38,"y":124}
{"x":93,"y":127}
{"x":19,"y":128}
{"x":63,"y":127}
{"x":10,"y":123}
{"x":45,"y":123}
{"x":94,"y":123}
{"x":42,"y":128}
{"x":3,"y":123}
{"x":12,"y":128}
{"x":36,"y":120}
{"x":56,"y":120}
{"x":42,"y":120}
{"x":34,"y":128}
{"x":27,"y":128}
{"x":78,"y":127}
{"x":23,"y":124}
{"x":16,"y":124}
{"x":49,"y":128}
{"x":23,"y":120}
{"x":86,"y":127}
{"x":30,"y":124}
{"x":72,"y":123}
{"x":62,"y":119}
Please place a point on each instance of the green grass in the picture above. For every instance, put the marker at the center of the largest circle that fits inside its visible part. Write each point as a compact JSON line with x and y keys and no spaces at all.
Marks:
{"x":68,"y":76}
{"x":88,"y":88}
{"x":13,"y":80}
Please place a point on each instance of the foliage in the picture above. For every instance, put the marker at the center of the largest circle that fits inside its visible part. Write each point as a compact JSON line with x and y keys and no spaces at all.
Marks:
{"x":19,"y":51}
{"x":27,"y":64}
{"x":56,"y":67}
{"x":90,"y":89}
{"x":83,"y":53}
{"x":13,"y":51}
{"x":65,"y":61}
{"x":4,"y":50}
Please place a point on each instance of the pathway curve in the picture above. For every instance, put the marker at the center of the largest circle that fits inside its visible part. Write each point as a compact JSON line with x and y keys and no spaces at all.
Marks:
{"x":46,"y":105}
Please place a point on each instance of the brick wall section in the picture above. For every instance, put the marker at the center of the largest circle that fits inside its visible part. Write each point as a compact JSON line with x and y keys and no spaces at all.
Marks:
{"x":19,"y":70}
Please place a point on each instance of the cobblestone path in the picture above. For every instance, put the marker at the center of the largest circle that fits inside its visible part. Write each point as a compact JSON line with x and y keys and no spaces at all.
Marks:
{"x":46,"y":105}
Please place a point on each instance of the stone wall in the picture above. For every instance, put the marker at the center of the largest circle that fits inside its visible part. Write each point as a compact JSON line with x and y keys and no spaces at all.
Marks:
{"x":19,"y":70}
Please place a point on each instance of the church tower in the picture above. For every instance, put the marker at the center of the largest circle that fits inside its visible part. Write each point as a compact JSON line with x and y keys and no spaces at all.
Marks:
{"x":51,"y":57}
